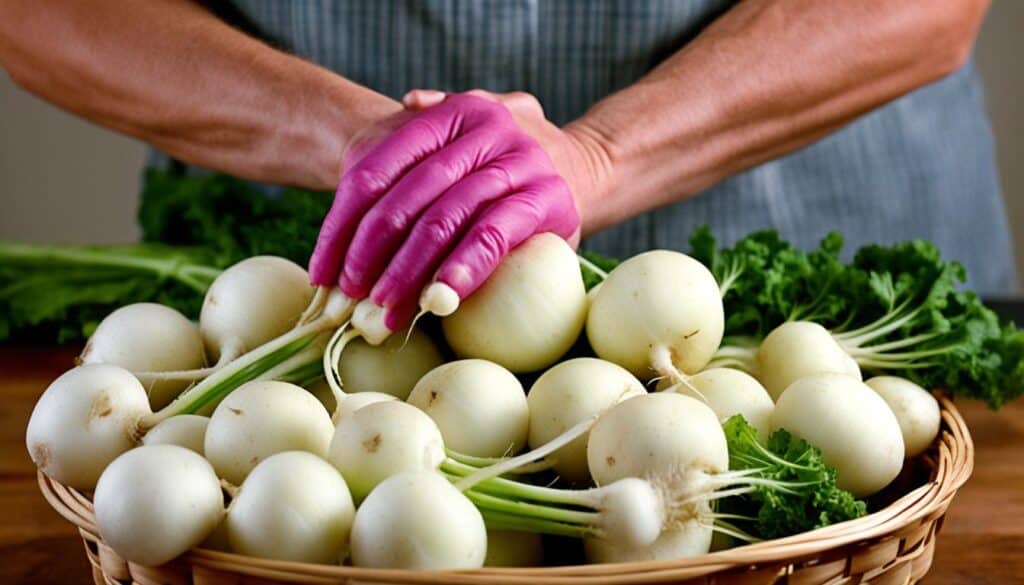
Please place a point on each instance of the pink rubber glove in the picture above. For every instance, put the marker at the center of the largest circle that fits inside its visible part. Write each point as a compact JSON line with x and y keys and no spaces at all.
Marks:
{"x":442,"y":198}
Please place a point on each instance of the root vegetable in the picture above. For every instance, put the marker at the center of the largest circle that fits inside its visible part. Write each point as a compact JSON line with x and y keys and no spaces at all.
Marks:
{"x":293,"y":506}
{"x":185,"y":430}
{"x":728,"y":392}
{"x":418,"y":520}
{"x":381,"y":440}
{"x":262,"y":418}
{"x":83,"y":421}
{"x":393,"y":367}
{"x":528,"y":313}
{"x":568,"y":393}
{"x":156,"y":502}
{"x":915,"y":408}
{"x":850,"y":423}
{"x":479,"y":407}
{"x":657,"y":312}
{"x":656,"y":434}
{"x":251,"y":303}
{"x":145,"y":338}
{"x":798,"y":349}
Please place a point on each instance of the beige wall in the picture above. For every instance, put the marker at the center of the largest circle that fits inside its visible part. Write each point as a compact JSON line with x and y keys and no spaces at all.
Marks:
{"x":62,"y":179}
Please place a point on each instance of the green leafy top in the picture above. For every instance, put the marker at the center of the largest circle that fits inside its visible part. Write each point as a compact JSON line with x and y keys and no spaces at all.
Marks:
{"x":898,"y":309}
{"x":810,"y":498}
{"x":193,"y":227}
{"x":604,"y":265}
{"x":62,"y":292}
{"x":229,"y":217}
{"x":766,"y":280}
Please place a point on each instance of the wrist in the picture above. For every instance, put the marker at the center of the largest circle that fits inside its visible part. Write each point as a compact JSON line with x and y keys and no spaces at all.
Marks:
{"x":336,"y":116}
{"x":594,"y":175}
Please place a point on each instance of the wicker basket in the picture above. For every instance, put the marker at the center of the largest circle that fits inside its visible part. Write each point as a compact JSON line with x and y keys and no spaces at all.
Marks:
{"x":893,"y":545}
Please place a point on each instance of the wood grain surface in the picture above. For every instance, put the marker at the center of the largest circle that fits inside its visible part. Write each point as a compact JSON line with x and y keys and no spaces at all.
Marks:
{"x":982,"y":540}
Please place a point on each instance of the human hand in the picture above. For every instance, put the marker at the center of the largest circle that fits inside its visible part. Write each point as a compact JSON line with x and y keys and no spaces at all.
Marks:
{"x":443,"y":198}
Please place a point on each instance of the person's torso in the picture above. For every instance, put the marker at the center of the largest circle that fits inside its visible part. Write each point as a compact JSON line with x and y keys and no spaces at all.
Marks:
{"x":921,"y":166}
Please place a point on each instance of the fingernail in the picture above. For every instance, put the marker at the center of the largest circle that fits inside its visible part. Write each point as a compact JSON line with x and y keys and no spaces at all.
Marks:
{"x":369,"y":318}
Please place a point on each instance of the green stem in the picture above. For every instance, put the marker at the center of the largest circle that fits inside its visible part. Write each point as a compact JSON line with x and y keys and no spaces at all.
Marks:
{"x":518,"y":461}
{"x":499,"y":521}
{"x":863,"y":338}
{"x":332,"y":357}
{"x":503,"y":487}
{"x":304,"y":374}
{"x":591,"y":267}
{"x":906,"y":356}
{"x":742,"y":358}
{"x":729,"y":529}
{"x":195,"y":276}
{"x":898,"y":344}
{"x":472,"y":463}
{"x":216,"y":387}
{"x":771,"y":458}
{"x":251,"y":365}
{"x":894,"y":365}
{"x":532,"y":511}
{"x":878,"y":327}
{"x":811,"y":311}
{"x":734,"y":272}
{"x":302,"y":366}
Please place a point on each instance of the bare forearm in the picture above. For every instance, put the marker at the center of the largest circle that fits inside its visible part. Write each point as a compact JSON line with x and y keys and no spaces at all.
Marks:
{"x":173,"y":75}
{"x":766,"y":78}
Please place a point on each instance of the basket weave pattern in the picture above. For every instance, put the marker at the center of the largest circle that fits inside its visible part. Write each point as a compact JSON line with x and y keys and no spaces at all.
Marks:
{"x":891,"y":546}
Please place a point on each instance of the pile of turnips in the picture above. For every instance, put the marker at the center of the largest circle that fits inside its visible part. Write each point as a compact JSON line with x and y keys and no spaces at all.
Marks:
{"x":282,"y":427}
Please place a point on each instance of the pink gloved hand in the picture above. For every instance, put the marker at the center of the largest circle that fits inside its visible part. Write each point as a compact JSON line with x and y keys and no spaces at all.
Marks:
{"x":443,"y":198}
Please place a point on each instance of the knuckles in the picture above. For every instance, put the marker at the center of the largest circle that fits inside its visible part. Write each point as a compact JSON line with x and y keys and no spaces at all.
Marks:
{"x":365,"y":180}
{"x":492,"y":242}
{"x":386,"y":222}
{"x":440,"y":228}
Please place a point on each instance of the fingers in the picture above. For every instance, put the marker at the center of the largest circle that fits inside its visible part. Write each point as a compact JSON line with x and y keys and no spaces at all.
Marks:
{"x":387,"y":224}
{"x":546,"y":206}
{"x":444,"y":199}
{"x":380,"y":168}
{"x":440,"y":228}
{"x":361,"y":186}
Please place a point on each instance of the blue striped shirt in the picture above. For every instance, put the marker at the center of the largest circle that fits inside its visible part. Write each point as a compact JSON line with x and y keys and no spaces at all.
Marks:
{"x":919,"y":167}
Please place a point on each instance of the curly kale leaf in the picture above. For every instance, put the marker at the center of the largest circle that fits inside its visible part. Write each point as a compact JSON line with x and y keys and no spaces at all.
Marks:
{"x":229,"y":217}
{"x":801,"y":493}
{"x":897,"y":309}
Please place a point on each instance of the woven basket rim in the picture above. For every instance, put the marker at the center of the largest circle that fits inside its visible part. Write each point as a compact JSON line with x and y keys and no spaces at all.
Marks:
{"x":953,"y":463}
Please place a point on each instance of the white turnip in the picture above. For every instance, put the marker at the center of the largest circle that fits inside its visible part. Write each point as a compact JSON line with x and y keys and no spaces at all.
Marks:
{"x":148,"y":338}
{"x":381,"y":440}
{"x":262,"y":418}
{"x":418,"y":520}
{"x":155,"y":502}
{"x":293,"y":506}
{"x":657,"y":313}
{"x":184,"y":430}
{"x":83,"y":421}
{"x":570,"y":392}
{"x":850,"y":423}
{"x":479,"y":406}
{"x":528,"y":313}
{"x":915,"y":408}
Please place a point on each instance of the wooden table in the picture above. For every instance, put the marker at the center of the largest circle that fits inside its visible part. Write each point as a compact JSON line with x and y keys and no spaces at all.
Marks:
{"x":982,"y":540}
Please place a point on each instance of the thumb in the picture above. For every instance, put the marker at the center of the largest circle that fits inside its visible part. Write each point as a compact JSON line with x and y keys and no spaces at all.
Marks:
{"x":421,"y":99}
